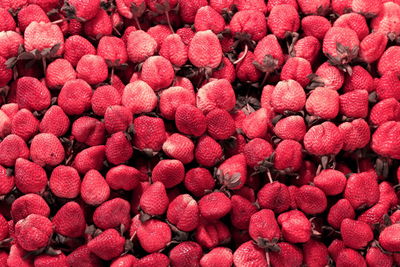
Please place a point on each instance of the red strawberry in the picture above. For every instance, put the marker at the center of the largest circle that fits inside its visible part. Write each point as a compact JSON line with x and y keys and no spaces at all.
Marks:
{"x":186,"y":34}
{"x":288,"y":256}
{"x":9,"y":43}
{"x":386,"y":21}
{"x":200,"y":47}
{"x":170,"y":172}
{"x":298,"y":69}
{"x":256,"y":151}
{"x":124,"y":8}
{"x":190,"y":120}
{"x":292,"y":127}
{"x":88,"y":130}
{"x":65,"y":182}
{"x":157,"y":72}
{"x":46,"y":149}
{"x":311,"y":199}
{"x":75,"y":97}
{"x":272,"y":3}
{"x":388,"y":61}
{"x":350,"y":257}
{"x":389,"y":238}
{"x":83,"y":10}
{"x":220,"y":124}
{"x":108,"y":245}
{"x":117,"y":118}
{"x":33,"y":232}
{"x":327,"y":131}
{"x":315,"y":26}
{"x":386,"y":86}
{"x":48,"y":261}
{"x":283,"y":19}
{"x":288,"y":96}
{"x":29,"y":176}
{"x":362,"y":189}
{"x":160,"y":32}
{"x":306,"y":173}
{"x":249,"y":254}
{"x":112,"y":213}
{"x":140,"y":46}
{"x":8,"y":21}
{"x":335,"y":248}
{"x":340,"y":211}
{"x":125,"y":261}
{"x":248,"y":22}
{"x":118,"y":148}
{"x":353,"y":21}
{"x":149,"y":134}
{"x":31,"y":13}
{"x":90,"y":158}
{"x":329,"y":77}
{"x":216,"y":94}
{"x":296,"y":228}
{"x":323,"y":103}
{"x":208,"y":19}
{"x":58,"y":72}
{"x":188,"y":9}
{"x":82,"y":256}
{"x":357,"y":134}
{"x":24,"y":124}
{"x":212,"y":234}
{"x":76,"y":47}
{"x":220,"y":5}
{"x":153,"y":259}
{"x":354,"y":104}
{"x":214,"y":206}
{"x":373,"y":46}
{"x":359,"y":80}
{"x":186,"y":254}
{"x":174,"y":49}
{"x":183,"y":212}
{"x":92,"y":69}
{"x":233,"y":172}
{"x":307,"y":48}
{"x":219,"y":256}
{"x":123,"y":177}
{"x":242,"y":211}
{"x":154,"y":235}
{"x":18,"y":257}
{"x":103,"y":97}
{"x":367,"y":8}
{"x":11,"y":148}
{"x":32,"y":94}
{"x":268,"y":54}
{"x":374,"y":215}
{"x":42,"y":35}
{"x":288,"y":160}
{"x":314,"y":7}
{"x":5,"y":73}
{"x":172,"y":98}
{"x":179,"y":147}
{"x":375,"y":257}
{"x":113,"y":50}
{"x":154,"y":200}
{"x":139,"y":97}
{"x":29,"y":204}
{"x":355,"y":239}
{"x":245,"y":69}
{"x":6,"y":182}
{"x":274,"y":196}
{"x":332,"y":182}
{"x":70,"y":220}
{"x":387,"y":195}
{"x":262,"y":118}
{"x":227,"y":71}
{"x":94,"y":189}
{"x":258,"y":230}
{"x":198,"y":181}
{"x":315,"y":253}
{"x":384,"y":140}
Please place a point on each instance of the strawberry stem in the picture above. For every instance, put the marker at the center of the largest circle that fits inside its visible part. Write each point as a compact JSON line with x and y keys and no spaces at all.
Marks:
{"x":268,"y":259}
{"x":246,"y":49}
{"x":169,"y":21}
{"x":137,"y":22}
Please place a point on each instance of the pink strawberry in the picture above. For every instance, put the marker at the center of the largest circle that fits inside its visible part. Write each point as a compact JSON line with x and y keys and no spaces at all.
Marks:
{"x":48,"y":261}
{"x":354,"y":104}
{"x":288,"y":255}
{"x":172,"y":98}
{"x":94,"y":189}
{"x":46,"y":149}
{"x":83,"y":10}
{"x":139,"y":97}
{"x":8,"y":21}
{"x":123,"y":177}
{"x":186,"y":254}
{"x":311,"y":199}
{"x":76,"y":47}
{"x":211,"y":234}
{"x":152,"y":74}
{"x":190,"y":120}
{"x":227,"y":71}
{"x":88,"y":130}
{"x":131,"y":8}
{"x":118,"y":148}
{"x":149,"y":134}
{"x":283,"y":20}
{"x":249,"y":254}
{"x":179,"y":147}
{"x":92,"y":69}
{"x":367,"y":8}
{"x":214,"y":206}
{"x":75,"y":97}
{"x":362,"y":189}
{"x":31,"y":13}
{"x":373,"y":46}
{"x":386,"y":21}
{"x":292,"y":127}
{"x":233,"y":172}
{"x":198,"y":181}
{"x":103,"y":97}
{"x":389,"y":238}
{"x":375,"y":257}
{"x":288,"y":96}
{"x":140,"y":46}
{"x":113,"y":50}
{"x":268,"y":54}
{"x":353,"y":21}
{"x":112,"y":213}
{"x":384,"y":141}
{"x":208,"y":19}
{"x":216,"y":94}
{"x":332,"y":182}
{"x":58,"y":72}
{"x":314,"y":7}
{"x":288,"y":160}
{"x":11,"y":148}
{"x":220,"y":5}
{"x":328,"y":76}
{"x":262,"y":118}
{"x":32,"y":94}
{"x":42,"y":35}
{"x":256,"y":151}
{"x":340,"y":211}
{"x":248,"y":22}
{"x":272,"y":3}
{"x":200,"y":47}
{"x":361,"y":79}
{"x":6,"y":182}
{"x":108,"y":245}
{"x":9,"y":43}
{"x":70,"y":220}
{"x":188,"y":9}
{"x":258,"y":230}
{"x":33,"y":232}
{"x":245,"y":69}
{"x":307,"y":48}
{"x":174,"y":49}
{"x":323,"y":103}
{"x":388,"y":61}
{"x":386,"y":86}
{"x":125,"y":261}
{"x":29,"y":204}
{"x":117,"y":118}
{"x":298,"y":69}
{"x":355,"y":239}
{"x":333,"y":140}
{"x":315,"y":26}
{"x":357,"y":134}
{"x":219,"y":256}
{"x":170,"y":172}
{"x":154,"y":235}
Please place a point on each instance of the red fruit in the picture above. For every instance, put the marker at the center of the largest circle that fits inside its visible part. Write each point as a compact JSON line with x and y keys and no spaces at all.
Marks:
{"x":8,"y":23}
{"x":65,"y":182}
{"x":82,"y":256}
{"x":288,"y":96}
{"x":183,"y":212}
{"x":186,"y":254}
{"x":205,"y":50}
{"x":350,"y":257}
{"x":170,"y":172}
{"x":160,"y":32}
{"x":359,"y":80}
{"x":58,"y":72}
{"x":340,"y":211}
{"x":272,"y":3}
{"x":354,"y":104}
{"x":268,"y":54}
{"x":233,"y":172}
{"x":311,"y":199}
{"x":292,"y":128}
{"x":367,"y":8}
{"x":375,"y":257}
{"x":32,"y":94}
{"x":389,"y":238}
{"x":179,"y":147}
{"x":387,"y":195}
{"x":296,"y":228}
{"x":274,"y":196}
{"x":263,"y":227}
{"x":220,"y":124}
{"x":88,"y":130}
{"x":18,"y":258}
{"x":174,"y":49}
{"x":90,"y":158}
{"x":353,"y":21}
{"x":315,"y":26}
{"x":92,"y":69}
{"x":153,"y":259}
{"x":256,"y":124}
{"x":248,"y":22}
{"x":124,"y":8}
{"x":157,"y":72}
{"x":29,"y":176}
{"x":256,"y":151}
{"x":208,"y":19}
{"x":219,"y":256}
{"x":112,"y":214}
{"x":315,"y":253}
{"x":188,"y":9}
{"x":198,"y":181}
{"x":108,"y":245}
{"x":212,"y":234}
{"x":117,"y":118}
{"x":118,"y":148}
{"x":33,"y":232}
{"x":227,"y":71}
{"x":84,"y":10}
{"x":288,"y":256}
{"x":357,"y":134}
{"x":386,"y":21}
{"x":123,"y":177}
{"x":362,"y":189}
{"x":384,"y":140}
{"x":249,"y":254}
{"x":283,"y":19}
{"x":9,"y":42}
{"x":373,"y":46}
{"x":288,"y":156}
{"x":329,"y":77}
{"x":103,"y":97}
{"x":149,"y":133}
{"x":6,"y":181}
{"x":42,"y":35}
{"x":386,"y":86}
{"x":29,"y":204}
{"x":172,"y":98}
{"x":374,"y":215}
{"x":11,"y":148}
{"x":355,"y":239}
{"x":139,"y":97}
{"x":220,"y":5}
{"x":330,"y":181}
{"x":314,"y":7}
{"x":216,"y":94}
{"x":307,"y":48}
{"x":323,"y":103}
{"x":242,"y":210}
{"x":70,"y":220}
{"x":113,"y":50}
{"x":388,"y":61}
{"x":335,"y":248}
{"x":154,"y":235}
{"x":190,"y":120}
{"x":75,"y":97}
{"x":214,"y":206}
{"x":140,"y":46}
{"x":245,"y":69}
{"x":332,"y":139}
{"x":154,"y":200}
{"x":94,"y":189}
{"x":24,"y":124}
{"x":298,"y":69}
{"x":76,"y":47}
{"x":48,"y":261}
{"x":5,"y":73}
{"x":31,"y":13}
{"x":125,"y":261}
{"x":306,"y":175}
{"x":46,"y":149}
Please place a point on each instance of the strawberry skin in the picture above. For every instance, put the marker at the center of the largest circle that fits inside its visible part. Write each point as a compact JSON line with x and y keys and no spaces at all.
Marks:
{"x":205,"y":50}
{"x":33,"y":232}
{"x":70,"y":220}
{"x":108,"y":245}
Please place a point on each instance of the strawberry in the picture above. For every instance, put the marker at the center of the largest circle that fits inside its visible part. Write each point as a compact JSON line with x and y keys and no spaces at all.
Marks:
{"x":33,"y":232}
{"x":373,"y":46}
{"x":18,"y":257}
{"x":315,"y":253}
{"x":327,"y":131}
{"x":367,"y":8}
{"x":108,"y":245}
{"x":340,"y":211}
{"x":245,"y":69}
{"x":81,"y":9}
{"x":355,"y":239}
{"x":323,"y":103}
{"x":159,"y":33}
{"x":9,"y":43}
{"x":332,"y":182}
{"x":220,"y":5}
{"x":76,"y":47}
{"x":48,"y":261}
{"x":123,"y":177}
{"x":216,"y":94}
{"x":29,"y":204}
{"x":315,"y":26}
{"x":8,"y":21}
{"x":357,"y":134}
{"x":249,"y":24}
{"x":219,"y":256}
{"x":75,"y":97}
{"x":386,"y":86}
{"x":32,"y":94}
{"x":341,"y":6}
{"x":11,"y":148}
{"x":288,"y":160}
{"x":58,"y":72}
{"x":183,"y":212}
{"x":70,"y":220}
{"x":350,"y":257}
{"x":388,"y":61}
{"x":258,"y":5}
{"x":354,"y":104}
{"x":118,"y":148}
{"x":42,"y":35}
{"x":386,"y":21}
{"x":311,"y":199}
{"x":387,"y":195}
{"x":89,"y":131}
{"x":117,"y":118}
{"x":188,"y":9}
{"x":81,"y":256}
{"x":152,"y":74}
{"x":292,"y":128}
{"x":154,"y":235}
{"x":220,"y":124}
{"x":242,"y":211}
{"x":140,"y":46}
{"x":307,"y":173}
{"x":314,"y":7}
{"x":131,"y":8}
{"x":99,"y":26}
{"x":190,"y":120}
{"x":198,"y":181}
{"x":186,"y":34}
{"x":5,"y":73}
{"x":6,"y":181}
{"x":149,"y":134}
{"x":256,"y":151}
{"x":65,"y":182}
{"x":384,"y":141}
{"x":186,"y":254}
{"x":94,"y":189}
{"x":296,"y":228}
{"x":174,"y":49}
{"x":288,"y":255}
{"x":288,"y":96}
{"x":353,"y":21}
{"x":298,"y":69}
{"x":172,"y":98}
{"x":212,"y":234}
{"x":112,"y":213}
{"x":153,"y":259}
{"x":308,"y":48}
{"x":282,"y":25}
{"x":268,"y":54}
{"x":249,"y":254}
{"x":388,"y":238}
{"x":272,"y":3}
{"x":125,"y":261}
{"x":262,"y":118}
{"x":233,"y":172}
{"x":179,"y":147}
{"x":329,"y":77}
{"x":170,"y":172}
{"x":90,"y":64}
{"x":335,"y":248}
{"x":258,"y":230}
{"x":274,"y":196}
{"x":214,"y":206}
{"x":200,"y":47}
{"x":375,"y":257}
{"x":362,"y":189}
{"x":139,"y":97}
{"x":208,"y":19}
{"x":374,"y":215}
{"x":361,"y":79}
{"x":24,"y":124}
{"x":154,"y":200}
{"x":46,"y":149}
{"x":31,"y":13}
{"x":29,"y":176}
{"x":103,"y":97}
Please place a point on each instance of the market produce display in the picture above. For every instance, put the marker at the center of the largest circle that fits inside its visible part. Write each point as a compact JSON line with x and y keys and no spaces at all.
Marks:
{"x":210,"y":133}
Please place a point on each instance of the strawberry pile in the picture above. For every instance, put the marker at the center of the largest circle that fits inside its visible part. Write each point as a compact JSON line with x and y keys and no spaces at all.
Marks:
{"x":210,"y":133}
